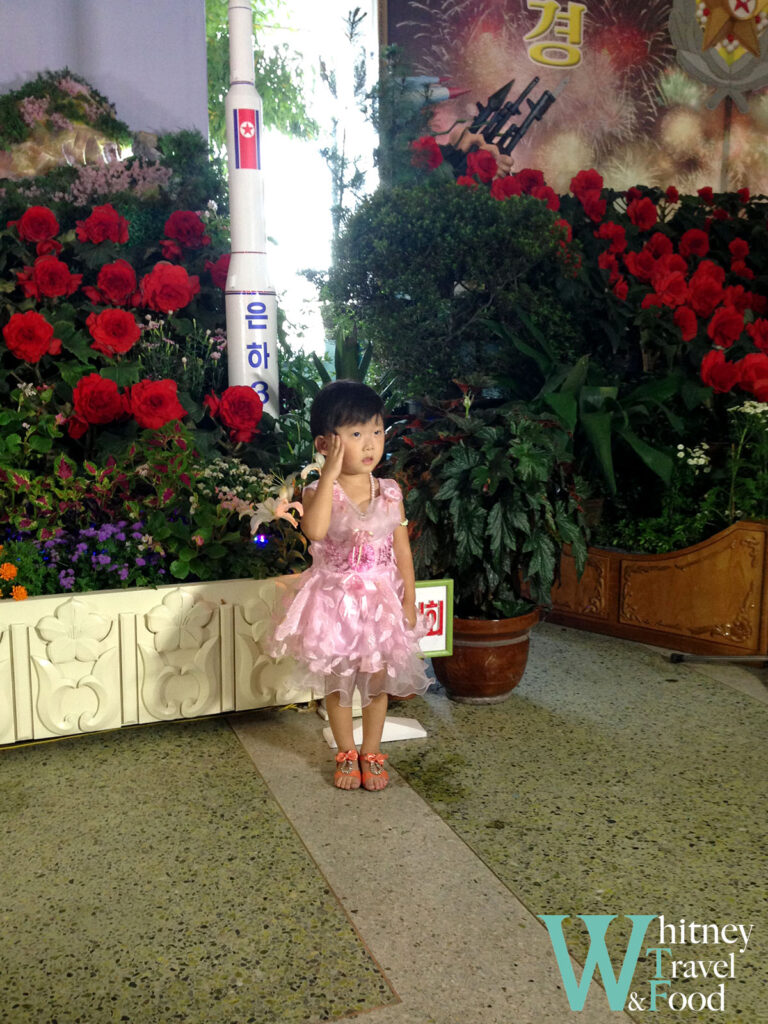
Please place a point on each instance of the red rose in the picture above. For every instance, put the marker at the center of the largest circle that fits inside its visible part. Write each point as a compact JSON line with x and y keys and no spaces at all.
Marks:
{"x":709,"y":269}
{"x":694,"y":243}
{"x":464,"y":179}
{"x":96,"y":400}
{"x":211,"y":402}
{"x":171,"y":250}
{"x":564,"y":227}
{"x":671,"y":288}
{"x":607,"y":261}
{"x":187,"y":228}
{"x":753,"y":374}
{"x":659,"y":245}
{"x":740,"y":269}
{"x":640,"y":265}
{"x":672,"y":194}
{"x":483,"y":164}
{"x":739,"y":249}
{"x":707,"y":195}
{"x":686,"y":320}
{"x":29,"y":336}
{"x":104,"y":224}
{"x":155,"y":403}
{"x":113,"y":331}
{"x":725,"y":326}
{"x":116,"y":284}
{"x":633,"y":193}
{"x":738,"y":297}
{"x":502,"y":188}
{"x":614,"y":233}
{"x":621,"y":289}
{"x":529,"y":179}
{"x":758,"y":332}
{"x":705,"y":288}
{"x":546,"y":195}
{"x":743,"y":194}
{"x":594,"y":206}
{"x":642,"y":213}
{"x":671,"y":264}
{"x":720,"y":214}
{"x":52,"y":278}
{"x":586,"y":181}
{"x":240,"y":409}
{"x":426,"y":153}
{"x":717,"y":373}
{"x":167,"y":288}
{"x":651,"y":300}
{"x":219,"y":270}
{"x":36,"y":224}
{"x":49,"y":247}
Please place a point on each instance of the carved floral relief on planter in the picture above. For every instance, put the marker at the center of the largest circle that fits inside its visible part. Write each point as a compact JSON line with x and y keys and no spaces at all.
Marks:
{"x":259,"y":678}
{"x":7,"y":729}
{"x":179,"y":669}
{"x":76,"y":684}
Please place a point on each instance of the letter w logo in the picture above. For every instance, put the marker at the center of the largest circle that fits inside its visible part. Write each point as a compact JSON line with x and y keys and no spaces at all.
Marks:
{"x":597,"y":925}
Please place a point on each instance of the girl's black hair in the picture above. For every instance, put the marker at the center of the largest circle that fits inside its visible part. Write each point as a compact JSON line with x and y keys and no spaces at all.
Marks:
{"x":343,"y":402}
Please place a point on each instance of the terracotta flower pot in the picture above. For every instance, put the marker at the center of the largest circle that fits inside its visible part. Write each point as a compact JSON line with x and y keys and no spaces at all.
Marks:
{"x":488,"y":660}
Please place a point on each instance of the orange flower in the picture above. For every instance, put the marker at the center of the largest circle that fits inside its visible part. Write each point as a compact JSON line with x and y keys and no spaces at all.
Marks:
{"x":8,"y":571}
{"x":19,"y":593}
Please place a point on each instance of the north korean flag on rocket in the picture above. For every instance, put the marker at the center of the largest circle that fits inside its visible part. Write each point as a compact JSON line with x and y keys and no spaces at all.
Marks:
{"x":247,"y":134}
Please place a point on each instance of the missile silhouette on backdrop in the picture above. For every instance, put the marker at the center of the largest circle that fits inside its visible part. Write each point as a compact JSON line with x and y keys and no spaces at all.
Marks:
{"x":250,"y":300}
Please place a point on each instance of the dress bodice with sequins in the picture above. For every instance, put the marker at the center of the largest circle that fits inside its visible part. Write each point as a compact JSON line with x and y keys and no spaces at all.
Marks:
{"x":360,"y":543}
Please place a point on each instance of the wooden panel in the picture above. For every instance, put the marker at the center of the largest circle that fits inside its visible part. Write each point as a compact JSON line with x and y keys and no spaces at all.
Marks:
{"x":706,"y":599}
{"x":711,"y":592}
{"x":589,"y":595}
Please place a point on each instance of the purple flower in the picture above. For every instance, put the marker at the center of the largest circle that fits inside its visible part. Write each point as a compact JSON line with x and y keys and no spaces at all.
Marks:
{"x":124,"y":573}
{"x":140,"y":561}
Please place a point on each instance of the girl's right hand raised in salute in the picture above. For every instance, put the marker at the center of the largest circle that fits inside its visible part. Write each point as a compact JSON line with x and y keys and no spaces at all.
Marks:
{"x":334,"y":458}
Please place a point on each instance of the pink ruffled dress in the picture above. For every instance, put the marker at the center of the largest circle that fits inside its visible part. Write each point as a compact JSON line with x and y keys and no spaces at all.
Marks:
{"x":345,"y":621}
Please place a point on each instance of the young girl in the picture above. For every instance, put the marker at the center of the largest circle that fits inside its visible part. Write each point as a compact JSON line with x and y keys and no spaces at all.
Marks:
{"x":352,"y":621}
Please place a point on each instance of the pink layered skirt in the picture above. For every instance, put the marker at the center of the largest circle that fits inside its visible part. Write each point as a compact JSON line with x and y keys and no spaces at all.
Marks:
{"x":347,"y":627}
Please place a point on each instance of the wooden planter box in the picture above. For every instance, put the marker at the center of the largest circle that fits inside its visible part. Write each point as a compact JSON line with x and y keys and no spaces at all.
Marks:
{"x":86,"y":662}
{"x":707,"y":599}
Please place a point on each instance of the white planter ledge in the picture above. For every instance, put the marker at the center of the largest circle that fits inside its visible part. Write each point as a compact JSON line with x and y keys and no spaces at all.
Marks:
{"x":102,"y":660}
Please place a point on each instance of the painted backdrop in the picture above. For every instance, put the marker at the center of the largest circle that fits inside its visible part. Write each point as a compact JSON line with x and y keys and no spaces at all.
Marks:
{"x":666,"y":92}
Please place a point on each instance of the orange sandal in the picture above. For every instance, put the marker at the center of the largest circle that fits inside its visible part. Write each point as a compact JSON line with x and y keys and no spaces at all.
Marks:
{"x":348,"y":766}
{"x":373,"y":767}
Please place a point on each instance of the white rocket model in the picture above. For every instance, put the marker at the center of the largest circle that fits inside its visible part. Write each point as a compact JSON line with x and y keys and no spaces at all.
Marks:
{"x":251,"y":303}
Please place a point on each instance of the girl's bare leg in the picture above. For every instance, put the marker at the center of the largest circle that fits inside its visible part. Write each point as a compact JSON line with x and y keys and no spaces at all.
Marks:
{"x":340,"y":721}
{"x":374,"y":715}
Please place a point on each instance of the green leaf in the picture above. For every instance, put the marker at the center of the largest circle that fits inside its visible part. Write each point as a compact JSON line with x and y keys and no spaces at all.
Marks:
{"x":540,"y":570}
{"x":123,"y":374}
{"x":179,"y":569}
{"x":40,"y":444}
{"x":657,"y":460}
{"x":565,"y":408}
{"x":598,"y":428}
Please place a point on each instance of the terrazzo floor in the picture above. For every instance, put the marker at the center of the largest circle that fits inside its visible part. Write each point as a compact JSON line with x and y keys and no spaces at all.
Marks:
{"x":208,"y":872}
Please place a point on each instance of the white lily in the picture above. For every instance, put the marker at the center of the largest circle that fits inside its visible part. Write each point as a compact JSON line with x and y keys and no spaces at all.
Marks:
{"x":275,"y":508}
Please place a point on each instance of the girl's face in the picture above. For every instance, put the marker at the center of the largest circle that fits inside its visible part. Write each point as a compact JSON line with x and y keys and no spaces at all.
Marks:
{"x":363,"y":445}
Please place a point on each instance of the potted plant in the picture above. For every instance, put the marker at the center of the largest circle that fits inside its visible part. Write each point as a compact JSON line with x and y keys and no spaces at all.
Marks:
{"x":492,"y":501}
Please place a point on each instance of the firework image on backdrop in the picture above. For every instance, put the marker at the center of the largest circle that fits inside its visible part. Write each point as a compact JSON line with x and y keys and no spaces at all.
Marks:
{"x":668,"y":92}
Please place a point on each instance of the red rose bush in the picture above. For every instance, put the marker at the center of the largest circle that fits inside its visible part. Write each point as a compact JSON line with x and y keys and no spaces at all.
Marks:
{"x":108,"y":348}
